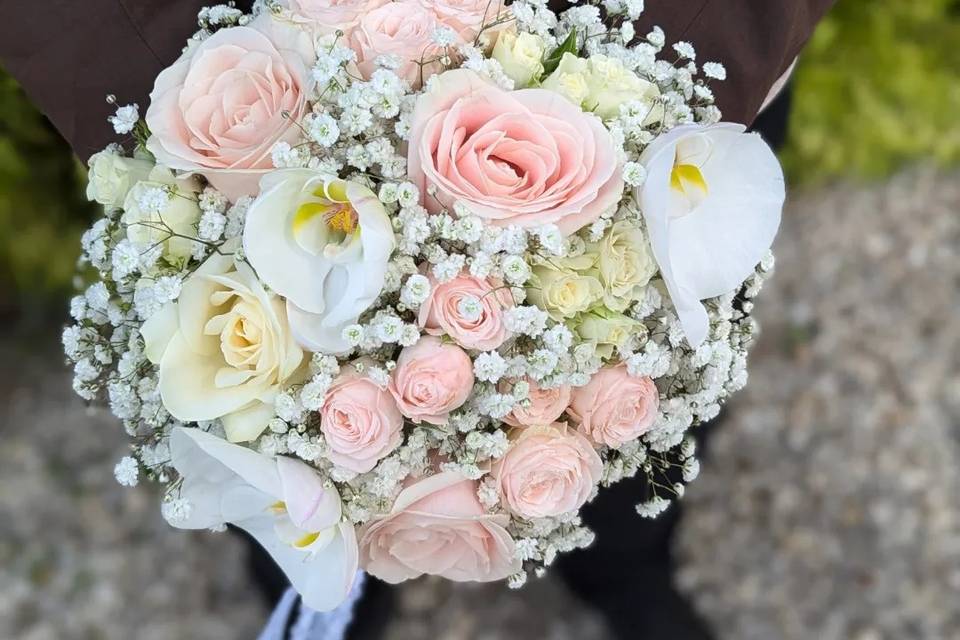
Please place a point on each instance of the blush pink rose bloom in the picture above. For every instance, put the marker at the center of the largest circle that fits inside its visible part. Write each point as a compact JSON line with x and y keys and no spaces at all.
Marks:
{"x":219,"y":109}
{"x":360,"y":421}
{"x":547,"y":471}
{"x":526,"y":158}
{"x":444,"y":313}
{"x":329,"y":16}
{"x":546,"y":406}
{"x":403,"y":29}
{"x":615,"y":407}
{"x":438,"y":527}
{"x":431,"y":379}
{"x":467,"y":17}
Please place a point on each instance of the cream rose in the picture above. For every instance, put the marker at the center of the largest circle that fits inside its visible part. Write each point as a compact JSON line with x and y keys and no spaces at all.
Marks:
{"x":221,"y":108}
{"x":624,"y":264}
{"x":438,"y":527}
{"x":360,"y":421}
{"x":111,"y":176}
{"x":601,"y":84}
{"x":322,"y":243}
{"x":543,"y":406}
{"x":431,"y":379}
{"x":162,"y":211}
{"x":564,"y":288}
{"x":606,"y":329}
{"x":223,"y":349}
{"x":469,"y":310}
{"x":549,"y":470}
{"x":521,"y":56}
{"x":615,"y":407}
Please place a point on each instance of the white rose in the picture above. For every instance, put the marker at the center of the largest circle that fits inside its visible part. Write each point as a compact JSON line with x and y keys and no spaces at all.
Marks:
{"x":611,"y":85}
{"x":712,"y":202}
{"x":162,"y":210}
{"x":111,"y":176}
{"x":570,"y":79}
{"x":624,"y":264}
{"x":283,"y":503}
{"x":601,"y":84}
{"x":606,"y":329}
{"x":224,"y":349}
{"x":564,"y":288}
{"x":520,"y":56}
{"x":322,"y":243}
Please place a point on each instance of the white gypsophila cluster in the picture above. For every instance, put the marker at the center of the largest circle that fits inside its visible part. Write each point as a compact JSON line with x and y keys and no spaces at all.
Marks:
{"x":358,"y":130}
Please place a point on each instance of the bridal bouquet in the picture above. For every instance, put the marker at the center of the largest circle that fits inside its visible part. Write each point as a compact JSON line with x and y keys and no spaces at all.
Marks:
{"x":401,"y":285}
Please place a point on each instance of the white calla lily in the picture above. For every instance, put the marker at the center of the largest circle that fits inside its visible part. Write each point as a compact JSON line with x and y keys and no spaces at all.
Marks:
{"x":283,"y":503}
{"x":323,"y":244}
{"x":712,"y":202}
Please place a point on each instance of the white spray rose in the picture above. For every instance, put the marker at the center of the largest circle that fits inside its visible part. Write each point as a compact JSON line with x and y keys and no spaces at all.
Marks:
{"x":224,"y":349}
{"x":163,"y":210}
{"x":606,"y":329}
{"x":601,"y":84}
{"x":624,"y":264}
{"x":323,"y":244}
{"x":111,"y":176}
{"x":564,"y":288}
{"x":521,"y":56}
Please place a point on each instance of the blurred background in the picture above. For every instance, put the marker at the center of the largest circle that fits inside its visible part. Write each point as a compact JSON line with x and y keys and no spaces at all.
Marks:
{"x":829,"y":503}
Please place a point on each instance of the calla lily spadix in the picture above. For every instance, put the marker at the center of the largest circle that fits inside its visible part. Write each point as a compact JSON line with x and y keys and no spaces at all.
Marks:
{"x":282,"y":502}
{"x":323,"y":244}
{"x":712,"y":202}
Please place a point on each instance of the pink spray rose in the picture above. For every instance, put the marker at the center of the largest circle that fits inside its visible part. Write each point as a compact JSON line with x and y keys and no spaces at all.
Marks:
{"x":615,"y":407}
{"x":438,"y":527}
{"x":221,"y":107}
{"x":329,"y":16}
{"x":404,"y":29}
{"x":431,"y":380}
{"x":525,"y":158}
{"x":546,"y":406}
{"x":467,"y":17}
{"x":360,"y":421}
{"x":548,"y":471}
{"x":468,"y":309}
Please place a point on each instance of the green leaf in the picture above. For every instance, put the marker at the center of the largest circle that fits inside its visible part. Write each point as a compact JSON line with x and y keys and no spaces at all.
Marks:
{"x":552,"y":61}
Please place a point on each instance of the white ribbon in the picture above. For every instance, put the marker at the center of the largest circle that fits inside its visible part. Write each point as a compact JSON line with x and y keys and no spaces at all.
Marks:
{"x":310,"y":624}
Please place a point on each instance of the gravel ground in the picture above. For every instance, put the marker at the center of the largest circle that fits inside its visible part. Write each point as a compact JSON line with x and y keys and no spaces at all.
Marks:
{"x":827,"y":507}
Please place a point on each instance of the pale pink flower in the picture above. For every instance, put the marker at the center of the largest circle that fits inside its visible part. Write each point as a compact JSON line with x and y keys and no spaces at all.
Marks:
{"x":546,"y":406}
{"x":468,"y":309}
{"x":438,"y":527}
{"x":330,"y":16}
{"x":468,"y":17}
{"x":431,"y":380}
{"x":219,"y":109}
{"x":360,"y":421}
{"x":615,"y":407}
{"x":404,"y":29}
{"x":525,"y":158}
{"x":548,"y":471}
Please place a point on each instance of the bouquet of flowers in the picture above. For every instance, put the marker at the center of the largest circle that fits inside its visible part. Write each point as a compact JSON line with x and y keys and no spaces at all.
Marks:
{"x":401,"y":285}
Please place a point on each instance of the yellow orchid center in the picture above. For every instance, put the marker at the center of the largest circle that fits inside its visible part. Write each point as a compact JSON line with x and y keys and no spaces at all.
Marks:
{"x":688,"y":180}
{"x":306,"y":540}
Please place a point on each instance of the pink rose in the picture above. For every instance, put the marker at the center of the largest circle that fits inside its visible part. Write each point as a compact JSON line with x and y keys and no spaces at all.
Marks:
{"x":525,"y":158}
{"x":431,"y":380}
{"x":547,"y":471}
{"x":404,"y":29}
{"x":467,"y":17}
{"x":615,"y":407}
{"x":222,"y":106}
{"x":468,"y":309}
{"x":360,"y":421}
{"x":546,"y":406}
{"x":329,"y":16}
{"x":438,"y":527}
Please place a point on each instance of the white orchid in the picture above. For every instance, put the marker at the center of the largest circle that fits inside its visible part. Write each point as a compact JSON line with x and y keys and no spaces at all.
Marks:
{"x":283,"y":503}
{"x":712,"y":202}
{"x":323,"y":244}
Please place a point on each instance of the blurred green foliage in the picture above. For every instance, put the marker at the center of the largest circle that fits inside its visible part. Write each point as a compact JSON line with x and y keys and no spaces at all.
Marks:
{"x":42,"y":208}
{"x":878,"y":86}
